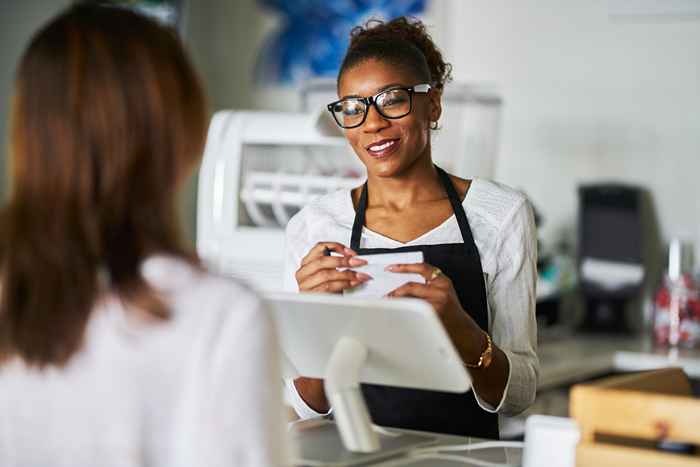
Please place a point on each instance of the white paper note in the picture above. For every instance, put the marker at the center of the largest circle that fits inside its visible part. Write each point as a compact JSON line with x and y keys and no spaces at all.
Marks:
{"x":382,"y":281}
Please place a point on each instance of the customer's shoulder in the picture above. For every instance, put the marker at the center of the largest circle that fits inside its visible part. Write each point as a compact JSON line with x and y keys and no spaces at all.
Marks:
{"x":496,"y":203}
{"x":204,"y":308}
{"x":186,"y":285}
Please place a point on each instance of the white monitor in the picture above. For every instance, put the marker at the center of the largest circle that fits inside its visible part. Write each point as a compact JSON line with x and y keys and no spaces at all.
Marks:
{"x":347,"y":341}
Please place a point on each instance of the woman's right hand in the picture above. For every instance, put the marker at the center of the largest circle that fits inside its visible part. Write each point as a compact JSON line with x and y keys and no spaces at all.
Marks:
{"x":319,"y":272}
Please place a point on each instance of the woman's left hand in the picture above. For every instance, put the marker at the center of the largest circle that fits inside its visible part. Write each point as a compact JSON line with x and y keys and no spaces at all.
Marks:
{"x":468,"y":338}
{"x":439,"y":291}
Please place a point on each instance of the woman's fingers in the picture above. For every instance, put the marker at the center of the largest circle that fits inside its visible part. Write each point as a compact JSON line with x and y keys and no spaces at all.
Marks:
{"x":334,"y":286}
{"x":322,"y":272}
{"x":431,"y":274}
{"x":438,"y":298}
{"x":414,"y":289}
{"x":332,"y":275}
{"x":327,"y":263}
{"x":321,"y":249}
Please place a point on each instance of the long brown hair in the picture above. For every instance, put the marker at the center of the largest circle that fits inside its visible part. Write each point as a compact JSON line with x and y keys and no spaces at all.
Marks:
{"x":108,"y":118}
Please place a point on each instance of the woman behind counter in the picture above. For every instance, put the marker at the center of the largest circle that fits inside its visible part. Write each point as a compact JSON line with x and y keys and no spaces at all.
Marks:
{"x":116,"y":348}
{"x":477,"y":238}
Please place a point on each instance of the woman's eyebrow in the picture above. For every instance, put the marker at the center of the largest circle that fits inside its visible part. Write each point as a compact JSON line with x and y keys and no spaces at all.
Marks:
{"x":389,"y":86}
{"x":377,"y":91}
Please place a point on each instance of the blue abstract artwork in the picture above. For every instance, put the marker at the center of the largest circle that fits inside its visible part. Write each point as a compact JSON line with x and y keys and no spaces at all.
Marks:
{"x":314,"y":34}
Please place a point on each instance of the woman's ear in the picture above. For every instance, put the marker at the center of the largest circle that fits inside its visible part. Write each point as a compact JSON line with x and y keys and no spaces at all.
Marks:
{"x":435,"y":96}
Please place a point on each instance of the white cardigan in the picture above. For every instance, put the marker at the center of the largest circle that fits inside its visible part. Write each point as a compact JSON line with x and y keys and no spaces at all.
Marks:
{"x":200,"y":389}
{"x":504,"y":230}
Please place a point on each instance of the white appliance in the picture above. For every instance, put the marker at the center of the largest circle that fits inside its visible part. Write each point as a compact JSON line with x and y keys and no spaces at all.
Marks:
{"x":260,"y":168}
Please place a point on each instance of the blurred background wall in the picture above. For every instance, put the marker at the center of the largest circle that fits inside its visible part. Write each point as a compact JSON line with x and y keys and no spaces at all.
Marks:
{"x":18,"y":21}
{"x":222,"y":35}
{"x":589,"y":97}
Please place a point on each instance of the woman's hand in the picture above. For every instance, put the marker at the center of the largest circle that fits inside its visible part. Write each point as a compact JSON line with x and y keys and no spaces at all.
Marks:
{"x":465,"y":333}
{"x":439,"y":291}
{"x":319,"y":271}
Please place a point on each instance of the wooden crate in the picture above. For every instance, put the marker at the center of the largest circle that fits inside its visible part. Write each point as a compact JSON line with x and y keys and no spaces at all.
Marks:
{"x":622,"y":418}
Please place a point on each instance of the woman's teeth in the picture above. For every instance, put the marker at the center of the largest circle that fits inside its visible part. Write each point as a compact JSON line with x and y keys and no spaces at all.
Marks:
{"x":382,"y":146}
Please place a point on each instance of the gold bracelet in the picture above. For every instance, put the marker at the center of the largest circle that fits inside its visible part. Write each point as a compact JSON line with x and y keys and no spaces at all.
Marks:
{"x":486,"y":356}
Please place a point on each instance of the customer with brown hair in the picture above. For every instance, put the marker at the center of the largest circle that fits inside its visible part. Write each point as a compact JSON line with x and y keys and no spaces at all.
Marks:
{"x":116,"y":347}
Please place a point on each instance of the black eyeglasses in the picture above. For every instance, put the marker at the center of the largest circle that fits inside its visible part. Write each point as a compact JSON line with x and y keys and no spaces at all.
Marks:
{"x":393,"y":103}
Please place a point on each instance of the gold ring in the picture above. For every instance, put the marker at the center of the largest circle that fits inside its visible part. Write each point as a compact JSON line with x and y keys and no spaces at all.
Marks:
{"x":435,"y":274}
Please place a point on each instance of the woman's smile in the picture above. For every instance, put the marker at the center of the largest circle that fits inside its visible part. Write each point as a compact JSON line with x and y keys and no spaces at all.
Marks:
{"x":383,"y":148}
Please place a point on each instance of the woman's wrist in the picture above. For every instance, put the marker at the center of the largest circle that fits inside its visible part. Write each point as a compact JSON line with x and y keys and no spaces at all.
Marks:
{"x":312,"y":393}
{"x":479,"y":343}
{"x":469,"y":339}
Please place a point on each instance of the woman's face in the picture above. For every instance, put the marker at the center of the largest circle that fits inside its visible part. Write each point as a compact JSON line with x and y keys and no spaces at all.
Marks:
{"x":387,"y":147}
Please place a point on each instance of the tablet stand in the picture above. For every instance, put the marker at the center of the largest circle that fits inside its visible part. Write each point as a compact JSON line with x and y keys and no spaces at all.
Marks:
{"x":342,"y":388}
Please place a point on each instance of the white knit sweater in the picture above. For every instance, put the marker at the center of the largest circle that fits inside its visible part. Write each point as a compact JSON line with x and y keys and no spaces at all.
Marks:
{"x":200,"y":389}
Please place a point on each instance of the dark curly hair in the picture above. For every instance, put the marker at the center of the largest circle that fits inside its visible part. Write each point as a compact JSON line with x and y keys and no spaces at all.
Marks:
{"x":403,"y":42}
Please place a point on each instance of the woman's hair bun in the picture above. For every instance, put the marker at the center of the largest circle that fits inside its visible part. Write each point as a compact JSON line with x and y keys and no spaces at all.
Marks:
{"x":397,"y":41}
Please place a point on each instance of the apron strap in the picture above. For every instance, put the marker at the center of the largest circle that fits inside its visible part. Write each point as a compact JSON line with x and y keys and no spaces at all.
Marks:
{"x":359,"y":222}
{"x":452,"y":195}
{"x":457,"y":207}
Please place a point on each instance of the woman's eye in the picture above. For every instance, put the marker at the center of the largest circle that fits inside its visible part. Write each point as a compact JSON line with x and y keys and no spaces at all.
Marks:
{"x":353,"y":109}
{"x":393,"y":99}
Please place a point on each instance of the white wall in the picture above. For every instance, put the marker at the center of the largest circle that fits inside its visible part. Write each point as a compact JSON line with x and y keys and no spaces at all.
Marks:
{"x":19,"y":19}
{"x":587,"y":98}
{"x":224,"y":37}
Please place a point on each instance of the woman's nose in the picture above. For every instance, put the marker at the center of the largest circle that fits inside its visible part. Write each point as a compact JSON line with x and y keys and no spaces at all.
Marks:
{"x":375,"y":121}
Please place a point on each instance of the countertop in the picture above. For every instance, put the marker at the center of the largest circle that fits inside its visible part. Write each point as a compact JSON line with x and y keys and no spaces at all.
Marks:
{"x":565,"y":360}
{"x":568,"y":359}
{"x":319,"y":439}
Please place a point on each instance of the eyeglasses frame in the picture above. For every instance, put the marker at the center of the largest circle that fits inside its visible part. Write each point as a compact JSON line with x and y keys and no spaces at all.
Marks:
{"x":371,"y":101}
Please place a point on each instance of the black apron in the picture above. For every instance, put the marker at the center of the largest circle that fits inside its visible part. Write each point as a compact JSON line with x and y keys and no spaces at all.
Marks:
{"x":440,"y":412}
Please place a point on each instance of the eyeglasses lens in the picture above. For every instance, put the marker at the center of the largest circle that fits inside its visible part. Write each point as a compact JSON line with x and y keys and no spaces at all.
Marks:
{"x":349,"y":112}
{"x":394,"y":103}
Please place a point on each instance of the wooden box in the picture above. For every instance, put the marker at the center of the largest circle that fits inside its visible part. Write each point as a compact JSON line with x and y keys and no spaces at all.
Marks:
{"x":623,"y":419}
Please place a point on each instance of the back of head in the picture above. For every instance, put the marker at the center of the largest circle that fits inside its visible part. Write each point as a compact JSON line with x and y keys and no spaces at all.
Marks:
{"x":403,"y":42}
{"x":108,"y":117}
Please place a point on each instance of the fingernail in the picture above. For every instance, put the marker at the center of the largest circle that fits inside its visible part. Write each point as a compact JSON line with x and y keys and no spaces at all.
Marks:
{"x":356,"y":262}
{"x":348,"y":251}
{"x":354,"y":283}
{"x":391,"y":267}
{"x":362,"y":276}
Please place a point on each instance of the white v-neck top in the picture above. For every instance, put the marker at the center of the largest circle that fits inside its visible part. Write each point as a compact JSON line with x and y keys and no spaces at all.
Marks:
{"x":201,"y":389}
{"x":503,"y":227}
